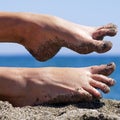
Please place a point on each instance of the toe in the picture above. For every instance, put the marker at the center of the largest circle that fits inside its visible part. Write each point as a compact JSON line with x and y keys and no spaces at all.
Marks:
{"x":107,"y":30}
{"x":103,"y":69}
{"x":93,"y":91}
{"x":112,"y":29}
{"x":91,"y":45}
{"x":102,"y":46}
{"x":100,"y":86}
{"x":84,"y":95}
{"x":103,"y":79}
{"x":97,"y":46}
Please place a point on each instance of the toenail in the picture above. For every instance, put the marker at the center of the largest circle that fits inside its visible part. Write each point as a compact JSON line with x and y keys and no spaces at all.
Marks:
{"x":104,"y":46}
{"x":110,"y":64}
{"x":112,"y":82}
{"x":106,"y":89}
{"x":98,"y":95}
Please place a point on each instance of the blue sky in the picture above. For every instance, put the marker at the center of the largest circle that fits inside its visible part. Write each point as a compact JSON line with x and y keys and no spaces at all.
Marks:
{"x":85,"y":12}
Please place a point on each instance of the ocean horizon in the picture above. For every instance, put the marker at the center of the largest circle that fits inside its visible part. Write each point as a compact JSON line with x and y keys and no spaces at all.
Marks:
{"x":68,"y":61}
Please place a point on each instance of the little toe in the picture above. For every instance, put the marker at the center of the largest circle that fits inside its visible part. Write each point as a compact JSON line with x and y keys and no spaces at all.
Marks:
{"x":103,"y":69}
{"x":83,"y":95}
{"x":92,"y":90}
{"x":103,"y":79}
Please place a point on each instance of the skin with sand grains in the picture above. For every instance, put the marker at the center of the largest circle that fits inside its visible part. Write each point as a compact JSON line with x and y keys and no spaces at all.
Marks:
{"x":81,"y":39}
{"x":43,"y":36}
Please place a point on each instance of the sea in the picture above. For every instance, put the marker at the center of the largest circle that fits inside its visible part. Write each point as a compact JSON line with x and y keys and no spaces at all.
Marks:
{"x":68,"y":61}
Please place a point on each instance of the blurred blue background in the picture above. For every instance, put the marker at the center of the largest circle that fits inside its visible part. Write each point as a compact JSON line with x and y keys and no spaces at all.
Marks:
{"x":84,"y":12}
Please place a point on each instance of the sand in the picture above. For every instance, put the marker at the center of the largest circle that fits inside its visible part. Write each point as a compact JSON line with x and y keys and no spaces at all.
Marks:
{"x":104,"y":109}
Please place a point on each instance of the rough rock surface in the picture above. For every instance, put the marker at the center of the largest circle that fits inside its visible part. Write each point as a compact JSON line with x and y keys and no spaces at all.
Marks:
{"x":105,"y":109}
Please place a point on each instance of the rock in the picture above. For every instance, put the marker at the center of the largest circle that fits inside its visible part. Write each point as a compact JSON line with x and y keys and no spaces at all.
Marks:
{"x":104,"y":109}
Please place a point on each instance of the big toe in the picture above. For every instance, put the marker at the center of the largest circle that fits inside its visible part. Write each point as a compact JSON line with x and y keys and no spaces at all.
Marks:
{"x":103,"y":69}
{"x":106,"y":30}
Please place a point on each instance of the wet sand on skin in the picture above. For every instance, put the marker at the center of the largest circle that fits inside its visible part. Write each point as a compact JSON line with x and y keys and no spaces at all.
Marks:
{"x":104,"y":109}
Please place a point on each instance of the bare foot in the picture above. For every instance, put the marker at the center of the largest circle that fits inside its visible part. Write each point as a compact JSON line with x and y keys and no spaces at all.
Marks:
{"x":44,"y":35}
{"x":44,"y":39}
{"x":57,"y":85}
{"x":90,"y":39}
